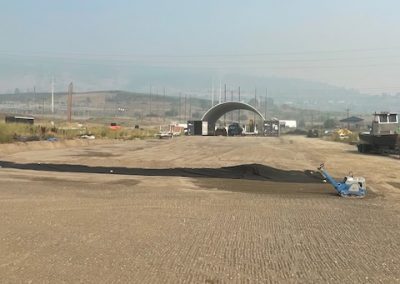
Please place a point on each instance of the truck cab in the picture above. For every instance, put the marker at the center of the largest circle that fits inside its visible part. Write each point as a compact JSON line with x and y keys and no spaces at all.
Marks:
{"x":385,"y":123}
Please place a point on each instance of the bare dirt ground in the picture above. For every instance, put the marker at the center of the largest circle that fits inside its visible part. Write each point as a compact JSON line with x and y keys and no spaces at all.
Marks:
{"x":195,"y":209}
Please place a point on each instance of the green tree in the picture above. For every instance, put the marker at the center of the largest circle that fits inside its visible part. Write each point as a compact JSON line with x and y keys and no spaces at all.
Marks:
{"x":330,"y":123}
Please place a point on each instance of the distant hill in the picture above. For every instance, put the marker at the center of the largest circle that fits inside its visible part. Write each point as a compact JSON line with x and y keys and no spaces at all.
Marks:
{"x":23,"y":74}
{"x":142,"y":108}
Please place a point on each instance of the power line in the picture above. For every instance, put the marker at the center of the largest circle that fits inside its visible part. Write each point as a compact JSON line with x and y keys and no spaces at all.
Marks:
{"x":237,"y":63}
{"x":321,"y":51}
{"x":140,"y":60}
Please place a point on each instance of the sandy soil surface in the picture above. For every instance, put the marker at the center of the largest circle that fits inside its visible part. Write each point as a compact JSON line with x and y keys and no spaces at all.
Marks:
{"x":195,"y":209}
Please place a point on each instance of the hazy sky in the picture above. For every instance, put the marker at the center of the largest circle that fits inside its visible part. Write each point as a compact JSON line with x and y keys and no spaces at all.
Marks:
{"x":355,"y":43}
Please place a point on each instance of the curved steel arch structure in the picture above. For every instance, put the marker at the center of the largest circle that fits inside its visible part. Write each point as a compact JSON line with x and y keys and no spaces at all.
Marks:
{"x":214,"y":113}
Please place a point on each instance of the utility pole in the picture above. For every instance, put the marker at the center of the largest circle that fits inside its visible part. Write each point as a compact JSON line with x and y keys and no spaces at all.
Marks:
{"x":52,"y":95}
{"x":69,"y":109}
{"x":164,"y":102}
{"x":190,"y":107}
{"x":225,"y":101}
{"x":212,"y":93}
{"x":185,"y":107}
{"x":220,"y":91}
{"x":255,"y":105}
{"x":224,"y":93}
{"x":266,"y":103}
{"x":150,"y":102}
{"x":232,"y":101}
{"x":180,"y":105}
{"x":239,"y":109}
{"x":34,"y":98}
{"x":348,"y":115}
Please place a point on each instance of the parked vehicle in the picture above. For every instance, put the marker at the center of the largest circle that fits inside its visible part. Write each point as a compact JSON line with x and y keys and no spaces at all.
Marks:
{"x":234,"y":129}
{"x":220,"y":131}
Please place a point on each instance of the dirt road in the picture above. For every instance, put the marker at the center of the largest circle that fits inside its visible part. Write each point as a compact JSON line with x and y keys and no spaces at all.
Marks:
{"x":196,"y":209}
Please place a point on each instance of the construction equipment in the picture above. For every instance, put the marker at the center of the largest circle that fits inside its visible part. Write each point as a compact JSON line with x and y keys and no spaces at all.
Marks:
{"x":384,"y":136}
{"x":313,"y":133}
{"x":272,"y":127}
{"x":343,"y":133}
{"x":350,"y":186}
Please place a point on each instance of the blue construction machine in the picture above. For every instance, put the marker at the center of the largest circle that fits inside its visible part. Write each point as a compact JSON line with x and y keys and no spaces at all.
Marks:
{"x":350,"y":186}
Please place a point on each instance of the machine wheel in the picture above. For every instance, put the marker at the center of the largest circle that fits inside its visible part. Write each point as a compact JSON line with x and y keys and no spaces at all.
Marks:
{"x":363,"y":148}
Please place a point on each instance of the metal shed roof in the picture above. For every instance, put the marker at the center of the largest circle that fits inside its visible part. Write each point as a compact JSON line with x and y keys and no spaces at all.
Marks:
{"x":214,"y":113}
{"x":352,"y":119}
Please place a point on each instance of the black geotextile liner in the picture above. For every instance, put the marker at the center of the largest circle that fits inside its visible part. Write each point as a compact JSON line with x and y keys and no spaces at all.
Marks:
{"x":247,"y":171}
